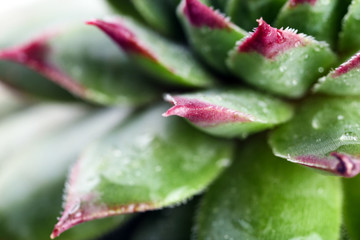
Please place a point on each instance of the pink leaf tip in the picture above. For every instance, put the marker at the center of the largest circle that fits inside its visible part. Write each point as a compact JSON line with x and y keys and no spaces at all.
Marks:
{"x":202,"y":113}
{"x":337,"y":163}
{"x":34,"y":54}
{"x":353,"y":63}
{"x":270,"y":42}
{"x":122,"y":36}
{"x":201,"y":15}
{"x":294,"y":3}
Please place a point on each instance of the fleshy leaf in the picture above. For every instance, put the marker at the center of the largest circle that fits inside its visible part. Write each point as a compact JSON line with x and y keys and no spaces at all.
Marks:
{"x":171,"y":62}
{"x":72,"y":60}
{"x":280,"y":61}
{"x":148,"y":163}
{"x":262,"y":197}
{"x":244,"y":13}
{"x":229,"y":113}
{"x":351,"y":212}
{"x":349,"y":38}
{"x":343,"y":81}
{"x":207,"y":28}
{"x":324,"y":135}
{"x":32,"y":180}
{"x":39,"y":18}
{"x":318,"y":18}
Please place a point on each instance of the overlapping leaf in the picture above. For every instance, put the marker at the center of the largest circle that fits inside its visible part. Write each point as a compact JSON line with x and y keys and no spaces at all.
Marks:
{"x":145,"y":164}
{"x":261,"y":197}
{"x":324,"y":135}
{"x":171,"y":62}
{"x":230,"y":113}
{"x":32,"y":179}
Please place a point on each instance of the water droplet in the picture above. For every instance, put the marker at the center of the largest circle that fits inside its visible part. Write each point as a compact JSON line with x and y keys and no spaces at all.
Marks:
{"x":348,"y":136}
{"x":75,"y":207}
{"x":315,"y":123}
{"x":340,"y":117}
{"x":320,"y":69}
{"x":282,"y":68}
{"x":225,"y":162}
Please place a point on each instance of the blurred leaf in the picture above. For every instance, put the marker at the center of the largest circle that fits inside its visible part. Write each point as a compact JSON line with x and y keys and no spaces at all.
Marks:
{"x":351,"y":211}
{"x":261,"y":197}
{"x":349,"y":38}
{"x":31,"y":180}
{"x":280,"y":61}
{"x":205,"y":29}
{"x":9,"y":102}
{"x":174,"y":223}
{"x":173,"y":63}
{"x":148,"y":163}
{"x":319,"y":18}
{"x":244,"y":13}
{"x":324,"y":135}
{"x":160,"y":14}
{"x":39,"y":17}
{"x":230,"y":113}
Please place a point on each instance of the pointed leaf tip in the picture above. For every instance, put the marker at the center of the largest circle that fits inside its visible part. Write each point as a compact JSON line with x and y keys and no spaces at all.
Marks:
{"x":201,"y":15}
{"x":344,"y":68}
{"x":202,"y":113}
{"x":125,"y":38}
{"x":34,"y":55}
{"x":269,"y":41}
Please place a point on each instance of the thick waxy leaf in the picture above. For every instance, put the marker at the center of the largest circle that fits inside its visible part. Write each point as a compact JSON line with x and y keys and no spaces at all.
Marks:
{"x":280,"y":61}
{"x":72,"y":59}
{"x":349,"y":41}
{"x":31,"y":180}
{"x":229,"y":113}
{"x":244,"y":13}
{"x":206,"y":28}
{"x":148,"y":163}
{"x":323,"y":135}
{"x":261,"y":197}
{"x":39,"y":17}
{"x":171,"y":62}
{"x":343,"y":81}
{"x":351,"y":211}
{"x":318,"y":18}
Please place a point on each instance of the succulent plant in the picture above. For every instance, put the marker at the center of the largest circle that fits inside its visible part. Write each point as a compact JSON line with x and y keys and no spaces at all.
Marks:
{"x":171,"y":119}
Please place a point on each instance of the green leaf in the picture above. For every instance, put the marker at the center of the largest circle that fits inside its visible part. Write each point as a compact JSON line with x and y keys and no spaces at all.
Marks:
{"x":160,"y":14}
{"x":244,"y":13}
{"x":31,"y":180}
{"x":319,"y":18}
{"x":349,"y":38}
{"x":171,"y":62}
{"x":40,"y":19}
{"x":280,"y":61}
{"x":343,"y":81}
{"x":324,"y":135}
{"x":351,"y":211}
{"x":148,"y":163}
{"x":205,"y":29}
{"x":72,"y":59}
{"x":262,"y":197}
{"x":230,"y":113}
